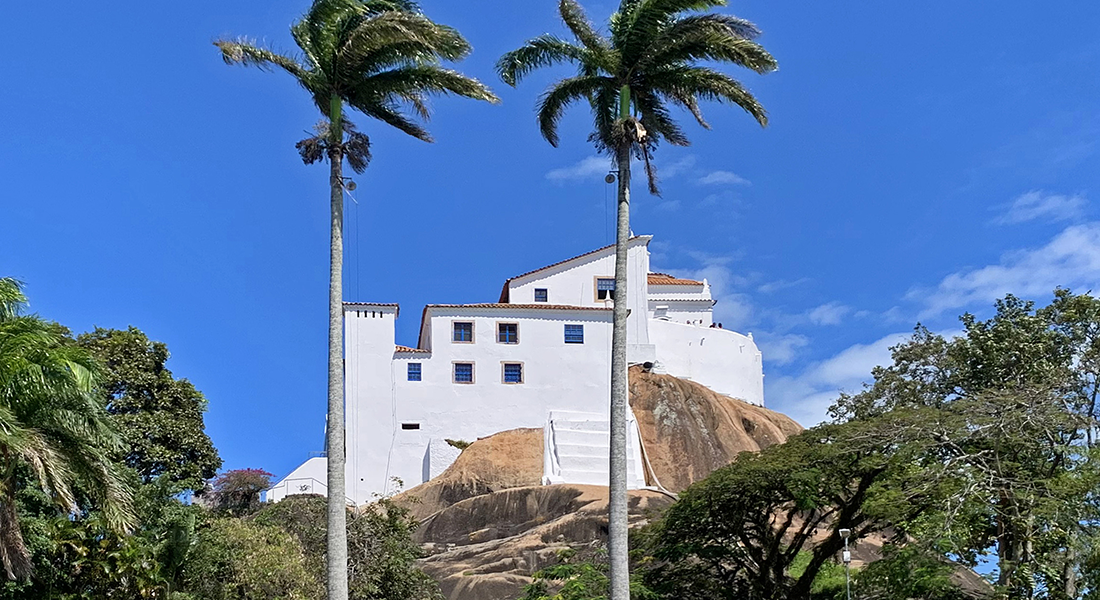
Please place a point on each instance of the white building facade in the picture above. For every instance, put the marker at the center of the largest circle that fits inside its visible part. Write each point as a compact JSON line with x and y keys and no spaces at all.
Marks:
{"x":538,"y":357}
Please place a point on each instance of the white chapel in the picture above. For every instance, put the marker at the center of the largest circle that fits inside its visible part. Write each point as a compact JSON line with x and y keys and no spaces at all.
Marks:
{"x":537,"y":357}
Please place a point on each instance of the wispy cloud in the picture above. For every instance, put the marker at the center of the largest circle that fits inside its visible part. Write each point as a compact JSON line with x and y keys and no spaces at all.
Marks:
{"x":1070,"y":259}
{"x":676,"y":168}
{"x":722,"y":178}
{"x":780,"y":348}
{"x":807,"y":396}
{"x":780,"y":284}
{"x":828,"y":314}
{"x":734,"y":308}
{"x":588,"y":168}
{"x":1039,"y":205}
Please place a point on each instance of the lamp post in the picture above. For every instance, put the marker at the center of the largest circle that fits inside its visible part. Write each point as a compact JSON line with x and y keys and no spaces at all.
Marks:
{"x":847,"y":559}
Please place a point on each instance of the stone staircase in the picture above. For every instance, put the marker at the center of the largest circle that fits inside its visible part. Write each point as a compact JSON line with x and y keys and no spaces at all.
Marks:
{"x":576,"y":449}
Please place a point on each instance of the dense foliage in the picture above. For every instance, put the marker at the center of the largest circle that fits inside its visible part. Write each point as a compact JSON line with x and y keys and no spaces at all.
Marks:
{"x":99,"y":440}
{"x":159,"y":417}
{"x":966,"y":449}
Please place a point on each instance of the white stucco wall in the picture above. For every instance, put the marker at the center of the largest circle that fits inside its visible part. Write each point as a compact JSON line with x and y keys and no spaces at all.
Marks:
{"x":558,"y":375}
{"x":308,"y":478}
{"x":723,"y":360}
{"x":573,"y":282}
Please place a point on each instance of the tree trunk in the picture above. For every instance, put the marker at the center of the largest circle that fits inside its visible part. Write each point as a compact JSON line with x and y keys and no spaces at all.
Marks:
{"x":14,"y":555}
{"x":617,"y":544}
{"x":334,"y":447}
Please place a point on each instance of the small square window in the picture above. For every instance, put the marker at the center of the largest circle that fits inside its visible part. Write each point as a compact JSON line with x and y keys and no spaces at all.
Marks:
{"x":463,"y":332}
{"x":605,"y":288}
{"x":464,"y":372}
{"x":408,"y":426}
{"x":574,"y":334}
{"x":508,"y":333}
{"x":414,"y":371}
{"x":541,"y":295}
{"x":513,"y":372}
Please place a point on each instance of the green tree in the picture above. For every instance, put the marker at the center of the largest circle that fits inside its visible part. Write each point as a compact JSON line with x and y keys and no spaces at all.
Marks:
{"x":382,"y":552}
{"x":159,"y":417}
{"x":1020,"y":388}
{"x":236,"y":558}
{"x":51,"y":423}
{"x":375,"y":56}
{"x":237,"y":492}
{"x":630,"y":78}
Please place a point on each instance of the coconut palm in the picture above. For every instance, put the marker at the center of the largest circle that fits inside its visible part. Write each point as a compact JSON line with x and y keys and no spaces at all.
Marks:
{"x":52,"y":427}
{"x":631,"y":78}
{"x":378,"y":57}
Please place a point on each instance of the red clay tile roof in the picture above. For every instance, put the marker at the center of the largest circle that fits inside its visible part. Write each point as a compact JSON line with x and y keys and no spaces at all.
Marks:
{"x":666,"y":279}
{"x":504,"y":292}
{"x":400,"y":348}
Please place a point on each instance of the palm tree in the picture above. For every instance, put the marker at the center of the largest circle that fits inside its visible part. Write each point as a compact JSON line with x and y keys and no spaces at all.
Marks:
{"x":52,"y":427}
{"x":649,"y":62}
{"x":377,"y":57}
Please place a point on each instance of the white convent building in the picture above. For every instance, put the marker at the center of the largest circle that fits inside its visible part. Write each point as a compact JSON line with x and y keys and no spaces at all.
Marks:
{"x":538,"y":357}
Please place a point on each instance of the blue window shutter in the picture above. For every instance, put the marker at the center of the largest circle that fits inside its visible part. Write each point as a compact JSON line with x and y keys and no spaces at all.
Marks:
{"x":605,"y":285}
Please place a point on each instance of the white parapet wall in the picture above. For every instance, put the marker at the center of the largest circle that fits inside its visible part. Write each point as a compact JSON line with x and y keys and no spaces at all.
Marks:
{"x":308,"y":478}
{"x":722,"y":360}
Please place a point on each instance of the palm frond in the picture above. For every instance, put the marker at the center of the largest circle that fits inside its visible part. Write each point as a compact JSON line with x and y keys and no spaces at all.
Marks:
{"x":12,"y":299}
{"x":244,"y":52}
{"x":542,"y":51}
{"x":554,"y":102}
{"x":708,"y":37}
{"x":642,"y":23}
{"x":389,"y":113}
{"x":419,"y":39}
{"x":577,"y":21}
{"x":707,"y":84}
{"x":410,"y":83}
{"x":658,"y":123}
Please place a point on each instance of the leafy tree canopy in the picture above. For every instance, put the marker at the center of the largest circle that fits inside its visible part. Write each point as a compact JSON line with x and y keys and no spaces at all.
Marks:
{"x":159,"y":417}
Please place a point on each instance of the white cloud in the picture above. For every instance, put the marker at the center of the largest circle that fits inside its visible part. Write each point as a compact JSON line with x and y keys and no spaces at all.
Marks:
{"x":1039,"y":205}
{"x":807,"y":396}
{"x":676,"y":168}
{"x":780,"y":349}
{"x":828,"y":314}
{"x":722,"y":178}
{"x":669,"y":205}
{"x":1070,"y":259}
{"x":780,"y":284}
{"x":588,"y":168}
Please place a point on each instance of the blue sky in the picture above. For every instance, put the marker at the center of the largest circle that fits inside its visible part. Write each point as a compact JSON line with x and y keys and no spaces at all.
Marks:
{"x":922,"y":160}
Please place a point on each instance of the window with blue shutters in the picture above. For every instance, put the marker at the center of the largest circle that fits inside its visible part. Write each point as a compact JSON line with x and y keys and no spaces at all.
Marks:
{"x":463,"y":332}
{"x":605,"y":288}
{"x":508,"y":333}
{"x":574,"y":334}
{"x":414,"y":371}
{"x":541,"y":295}
{"x":464,"y":372}
{"x":513,"y":372}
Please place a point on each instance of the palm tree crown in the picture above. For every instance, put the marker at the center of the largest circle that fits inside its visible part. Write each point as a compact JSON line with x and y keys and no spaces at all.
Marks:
{"x":52,"y":426}
{"x":376,"y":56}
{"x":648,"y":63}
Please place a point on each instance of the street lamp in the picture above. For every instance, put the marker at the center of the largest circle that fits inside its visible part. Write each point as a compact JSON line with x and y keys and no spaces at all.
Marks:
{"x":847,"y":559}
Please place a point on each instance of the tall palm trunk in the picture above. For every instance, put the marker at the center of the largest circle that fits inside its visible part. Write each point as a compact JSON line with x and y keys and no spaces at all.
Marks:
{"x":334,"y":447}
{"x":617,"y":543}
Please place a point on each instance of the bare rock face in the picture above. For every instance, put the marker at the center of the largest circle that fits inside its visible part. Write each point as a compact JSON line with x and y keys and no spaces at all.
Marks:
{"x":688,"y":430}
{"x":487,"y":523}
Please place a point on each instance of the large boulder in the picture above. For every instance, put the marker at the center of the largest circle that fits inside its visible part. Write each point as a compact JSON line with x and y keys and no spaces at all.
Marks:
{"x":487,"y":523}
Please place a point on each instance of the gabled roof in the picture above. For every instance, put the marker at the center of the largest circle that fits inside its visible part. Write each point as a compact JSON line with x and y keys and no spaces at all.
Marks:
{"x":666,"y":279}
{"x":504,"y":292}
